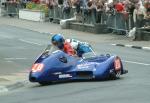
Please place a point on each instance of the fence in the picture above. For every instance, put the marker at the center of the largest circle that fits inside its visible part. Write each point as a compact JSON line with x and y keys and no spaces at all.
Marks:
{"x":117,"y":22}
{"x":11,"y":9}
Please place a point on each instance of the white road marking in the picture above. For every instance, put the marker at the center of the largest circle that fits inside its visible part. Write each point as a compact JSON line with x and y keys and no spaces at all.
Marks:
{"x":8,"y":59}
{"x":30,"y":42}
{"x":129,"y":45}
{"x":6,"y":37}
{"x":113,"y":44}
{"x":146,"y":48}
{"x":136,"y":63}
{"x":3,"y":89}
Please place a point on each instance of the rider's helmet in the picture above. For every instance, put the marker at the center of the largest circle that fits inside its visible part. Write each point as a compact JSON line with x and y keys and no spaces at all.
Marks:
{"x":58,"y":40}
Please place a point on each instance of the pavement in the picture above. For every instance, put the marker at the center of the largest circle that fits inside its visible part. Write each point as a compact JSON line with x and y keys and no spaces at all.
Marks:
{"x":11,"y":81}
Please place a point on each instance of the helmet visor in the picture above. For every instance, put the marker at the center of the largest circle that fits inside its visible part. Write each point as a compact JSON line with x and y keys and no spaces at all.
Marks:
{"x":58,"y":44}
{"x":55,"y":43}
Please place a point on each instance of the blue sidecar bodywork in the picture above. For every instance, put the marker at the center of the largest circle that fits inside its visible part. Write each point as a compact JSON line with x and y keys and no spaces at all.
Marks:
{"x":55,"y":65}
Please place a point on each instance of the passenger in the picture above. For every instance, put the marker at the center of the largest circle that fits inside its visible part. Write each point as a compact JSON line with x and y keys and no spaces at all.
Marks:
{"x":80,"y":47}
{"x":59,"y":41}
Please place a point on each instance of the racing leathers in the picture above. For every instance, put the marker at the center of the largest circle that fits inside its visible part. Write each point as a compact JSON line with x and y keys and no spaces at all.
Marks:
{"x":79,"y":47}
{"x":68,"y":49}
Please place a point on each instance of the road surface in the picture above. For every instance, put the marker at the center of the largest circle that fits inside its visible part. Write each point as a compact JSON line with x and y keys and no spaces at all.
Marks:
{"x":19,"y":48}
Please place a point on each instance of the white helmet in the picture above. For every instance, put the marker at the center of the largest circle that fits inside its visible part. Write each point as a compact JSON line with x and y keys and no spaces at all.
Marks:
{"x":74,"y":43}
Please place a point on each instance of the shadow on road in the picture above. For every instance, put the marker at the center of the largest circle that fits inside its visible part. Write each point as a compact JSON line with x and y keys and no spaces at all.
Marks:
{"x":74,"y":81}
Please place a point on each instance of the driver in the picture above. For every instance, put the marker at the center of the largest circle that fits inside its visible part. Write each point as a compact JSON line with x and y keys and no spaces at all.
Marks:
{"x":59,"y":41}
{"x":72,"y":47}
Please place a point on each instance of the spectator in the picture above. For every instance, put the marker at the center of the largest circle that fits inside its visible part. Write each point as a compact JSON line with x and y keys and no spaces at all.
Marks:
{"x":84,"y":10}
{"x":60,"y":8}
{"x":119,"y":7}
{"x":130,"y":10}
{"x":12,"y":8}
{"x":23,"y":3}
{"x":138,"y":15}
{"x":50,"y":4}
{"x":99,"y":11}
{"x":36,"y":1}
{"x":77,"y":4}
{"x":55,"y":6}
{"x":111,"y":16}
{"x":147,"y":16}
{"x":66,"y":8}
{"x":60,"y":2}
{"x":91,"y":11}
{"x":120,"y":18}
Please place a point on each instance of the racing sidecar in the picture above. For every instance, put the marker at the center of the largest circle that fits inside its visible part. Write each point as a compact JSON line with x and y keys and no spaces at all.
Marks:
{"x":55,"y":65}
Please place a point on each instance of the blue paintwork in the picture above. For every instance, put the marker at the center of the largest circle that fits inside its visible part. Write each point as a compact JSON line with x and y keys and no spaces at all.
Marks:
{"x":97,"y":67}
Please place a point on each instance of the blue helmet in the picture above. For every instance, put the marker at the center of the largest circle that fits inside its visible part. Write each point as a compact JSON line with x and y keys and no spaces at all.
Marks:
{"x":58,"y":40}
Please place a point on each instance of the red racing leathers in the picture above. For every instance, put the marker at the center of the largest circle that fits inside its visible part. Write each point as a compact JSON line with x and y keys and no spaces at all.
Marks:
{"x":68,"y":49}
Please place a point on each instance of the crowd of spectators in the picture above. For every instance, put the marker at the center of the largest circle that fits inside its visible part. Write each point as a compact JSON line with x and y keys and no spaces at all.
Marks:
{"x":134,"y":13}
{"x":138,"y":11}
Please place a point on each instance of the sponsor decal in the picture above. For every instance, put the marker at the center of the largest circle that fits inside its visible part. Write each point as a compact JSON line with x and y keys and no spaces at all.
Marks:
{"x":57,"y":73}
{"x":37,"y":67}
{"x":56,"y":51}
{"x":65,"y":76}
{"x":82,"y":67}
{"x":86,"y":65}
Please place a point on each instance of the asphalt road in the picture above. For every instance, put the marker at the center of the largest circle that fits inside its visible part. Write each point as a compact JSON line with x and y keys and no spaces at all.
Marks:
{"x":18,"y":48}
{"x":21,"y":50}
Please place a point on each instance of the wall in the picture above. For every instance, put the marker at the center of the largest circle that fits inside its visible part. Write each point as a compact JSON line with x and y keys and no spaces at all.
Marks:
{"x":32,"y":15}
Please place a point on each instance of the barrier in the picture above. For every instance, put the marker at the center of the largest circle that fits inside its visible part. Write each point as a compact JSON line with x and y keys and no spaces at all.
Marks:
{"x":119,"y":22}
{"x":51,"y":14}
{"x":57,"y":13}
{"x":116,"y":22}
{"x":34,"y":15}
{"x":143,"y":34}
{"x":1,"y":11}
{"x":12,"y":9}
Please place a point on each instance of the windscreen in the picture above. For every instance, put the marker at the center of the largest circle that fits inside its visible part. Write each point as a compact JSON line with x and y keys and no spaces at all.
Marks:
{"x":50,"y":49}
{"x":89,"y":55}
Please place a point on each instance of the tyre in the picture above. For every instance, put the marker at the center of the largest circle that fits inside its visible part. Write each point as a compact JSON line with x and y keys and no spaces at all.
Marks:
{"x":117,"y":74}
{"x":45,"y":83}
{"x":114,"y":74}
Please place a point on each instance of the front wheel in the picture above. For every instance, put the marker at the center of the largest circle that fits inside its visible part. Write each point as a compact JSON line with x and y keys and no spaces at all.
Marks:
{"x":118,"y":73}
{"x":45,"y":83}
{"x":114,"y":74}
